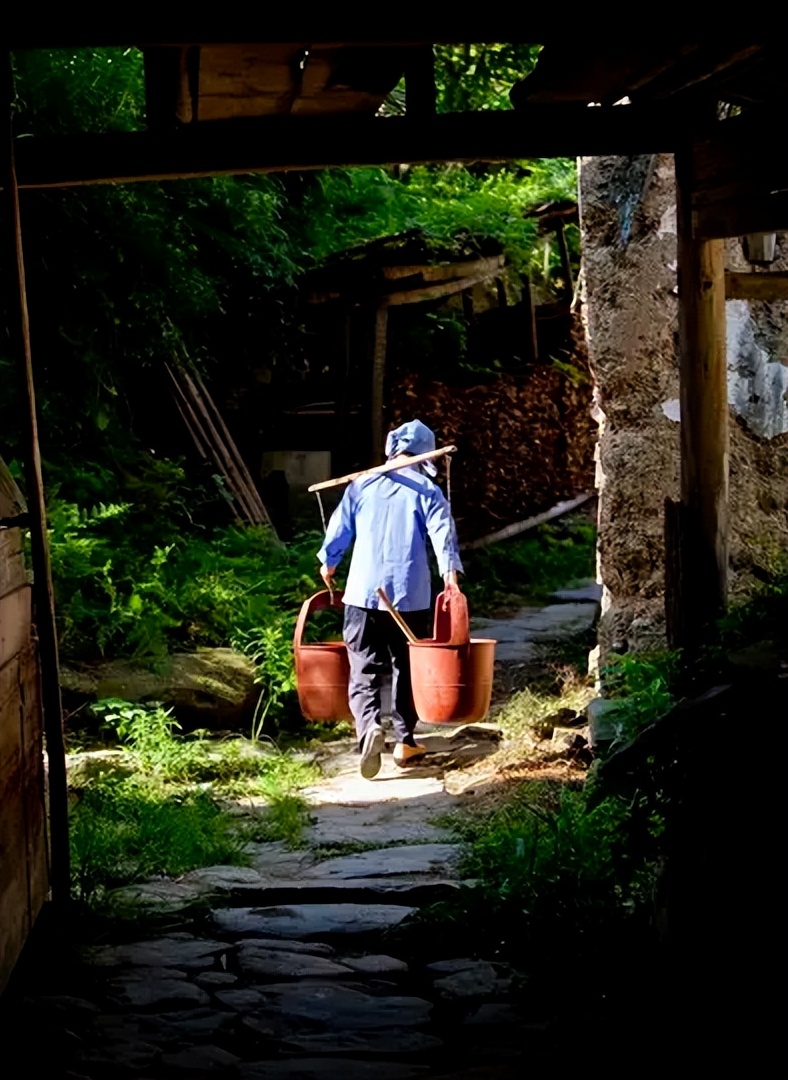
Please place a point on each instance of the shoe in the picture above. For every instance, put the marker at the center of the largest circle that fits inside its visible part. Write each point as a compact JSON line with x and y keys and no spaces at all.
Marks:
{"x":371,"y":749}
{"x":408,"y":755}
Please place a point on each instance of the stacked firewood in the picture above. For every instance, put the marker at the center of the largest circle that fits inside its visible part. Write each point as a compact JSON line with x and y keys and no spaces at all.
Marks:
{"x":525,"y":442}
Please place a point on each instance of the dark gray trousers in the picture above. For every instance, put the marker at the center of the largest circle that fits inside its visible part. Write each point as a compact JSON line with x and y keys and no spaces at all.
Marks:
{"x":376,"y":648}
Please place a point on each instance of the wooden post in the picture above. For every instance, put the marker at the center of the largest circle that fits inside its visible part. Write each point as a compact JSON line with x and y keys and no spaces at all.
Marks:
{"x":378,"y":378}
{"x":703,"y":521}
{"x":530,"y":339}
{"x":19,"y":327}
{"x":420,"y":83}
{"x":566,"y":265}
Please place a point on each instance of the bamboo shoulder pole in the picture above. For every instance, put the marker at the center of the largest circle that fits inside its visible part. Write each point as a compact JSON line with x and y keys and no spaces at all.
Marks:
{"x":380,"y":470}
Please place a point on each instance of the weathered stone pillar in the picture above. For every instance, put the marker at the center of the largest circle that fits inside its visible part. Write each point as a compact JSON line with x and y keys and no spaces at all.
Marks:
{"x":628,"y":224}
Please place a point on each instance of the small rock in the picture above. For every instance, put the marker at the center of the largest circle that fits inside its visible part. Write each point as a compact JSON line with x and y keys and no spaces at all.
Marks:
{"x":239,"y":999}
{"x":564,"y":738}
{"x":91,"y":764}
{"x":384,"y":862}
{"x":158,"y":993}
{"x":225,"y":879}
{"x":70,"y":1006}
{"x":449,"y":967}
{"x":477,"y":981}
{"x":265,"y":963}
{"x":375,"y":965}
{"x":201,"y":1060}
{"x":191,"y":954}
{"x":311,"y":948}
{"x":126,"y":1057}
{"x":209,"y":980}
{"x":602,"y":723}
{"x":341,"y":1007}
{"x":392,"y":1041}
{"x":493,"y":1014}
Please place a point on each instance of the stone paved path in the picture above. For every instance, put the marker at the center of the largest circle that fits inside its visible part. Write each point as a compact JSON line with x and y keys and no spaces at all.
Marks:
{"x":286,"y":968}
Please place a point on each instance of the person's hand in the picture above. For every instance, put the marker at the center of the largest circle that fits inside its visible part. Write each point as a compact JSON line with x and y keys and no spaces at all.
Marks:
{"x":327,"y":574}
{"x":451,"y":588}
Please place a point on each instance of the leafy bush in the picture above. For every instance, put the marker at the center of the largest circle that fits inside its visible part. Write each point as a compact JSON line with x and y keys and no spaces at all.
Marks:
{"x":544,"y":851}
{"x":233,"y":766}
{"x":643,"y":685}
{"x":124,"y":830}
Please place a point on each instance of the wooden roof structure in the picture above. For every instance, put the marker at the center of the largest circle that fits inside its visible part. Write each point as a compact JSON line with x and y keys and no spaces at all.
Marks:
{"x":230,"y":95}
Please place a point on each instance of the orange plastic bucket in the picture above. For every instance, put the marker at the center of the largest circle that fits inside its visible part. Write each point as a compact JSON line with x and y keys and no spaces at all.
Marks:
{"x":322,"y":670}
{"x":452,"y":673}
{"x":452,"y":684}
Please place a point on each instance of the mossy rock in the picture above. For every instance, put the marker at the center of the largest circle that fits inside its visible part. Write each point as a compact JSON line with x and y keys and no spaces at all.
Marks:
{"x":209,"y":688}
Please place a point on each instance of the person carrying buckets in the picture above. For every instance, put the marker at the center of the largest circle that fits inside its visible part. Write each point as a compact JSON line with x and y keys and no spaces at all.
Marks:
{"x":388,"y":517}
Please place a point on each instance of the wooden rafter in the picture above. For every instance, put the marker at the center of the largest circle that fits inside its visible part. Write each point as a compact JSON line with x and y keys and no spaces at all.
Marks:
{"x":276,"y":144}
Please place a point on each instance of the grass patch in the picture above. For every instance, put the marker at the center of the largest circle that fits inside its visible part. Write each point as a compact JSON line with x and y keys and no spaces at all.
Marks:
{"x":172,"y":814}
{"x":127,"y":829}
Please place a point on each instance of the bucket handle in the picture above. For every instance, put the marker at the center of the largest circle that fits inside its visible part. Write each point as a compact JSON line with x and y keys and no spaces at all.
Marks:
{"x":317,"y":602}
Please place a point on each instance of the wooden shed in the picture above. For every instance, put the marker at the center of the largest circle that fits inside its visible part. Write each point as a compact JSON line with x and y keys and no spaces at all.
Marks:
{"x":226,"y":99}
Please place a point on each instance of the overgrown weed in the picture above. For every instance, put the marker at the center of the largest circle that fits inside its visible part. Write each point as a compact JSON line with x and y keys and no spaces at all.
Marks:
{"x":527,"y":570}
{"x":172,"y":815}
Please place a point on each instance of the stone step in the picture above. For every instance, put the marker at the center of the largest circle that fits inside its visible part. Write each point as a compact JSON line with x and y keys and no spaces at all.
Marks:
{"x":305,"y":921}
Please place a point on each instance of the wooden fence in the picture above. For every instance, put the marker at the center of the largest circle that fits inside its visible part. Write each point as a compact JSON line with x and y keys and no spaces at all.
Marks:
{"x":24,"y":869}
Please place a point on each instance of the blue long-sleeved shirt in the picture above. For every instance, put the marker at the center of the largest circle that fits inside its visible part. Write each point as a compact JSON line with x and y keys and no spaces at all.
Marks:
{"x":389,"y":517}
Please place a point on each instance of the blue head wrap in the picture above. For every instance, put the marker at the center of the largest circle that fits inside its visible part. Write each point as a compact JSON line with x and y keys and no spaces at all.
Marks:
{"x":412,"y":438}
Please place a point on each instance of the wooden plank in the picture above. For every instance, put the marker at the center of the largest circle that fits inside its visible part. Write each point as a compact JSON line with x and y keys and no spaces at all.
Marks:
{"x":436,"y":292}
{"x":302,"y":142}
{"x":12,"y":561}
{"x":704,"y":423}
{"x":14,"y":893}
{"x":445,"y":271}
{"x":14,"y":623}
{"x":746,"y":285}
{"x":34,"y":783}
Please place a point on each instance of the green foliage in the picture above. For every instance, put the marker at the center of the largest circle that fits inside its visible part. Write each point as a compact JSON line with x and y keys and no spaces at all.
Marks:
{"x":232,"y":766}
{"x":645,"y":684}
{"x":125,"y":830}
{"x":126,"y":585}
{"x":446,"y":202}
{"x":529,"y":569}
{"x":546,"y":852}
{"x":479,"y":76}
{"x":64,"y":90}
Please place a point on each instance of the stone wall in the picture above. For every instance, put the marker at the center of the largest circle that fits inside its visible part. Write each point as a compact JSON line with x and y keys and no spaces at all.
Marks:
{"x":630,"y":305}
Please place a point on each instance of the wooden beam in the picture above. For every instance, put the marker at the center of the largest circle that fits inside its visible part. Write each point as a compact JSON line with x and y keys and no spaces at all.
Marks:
{"x":746,"y":285}
{"x":435,"y":292}
{"x":43,"y":596}
{"x":740,"y":177}
{"x":701,"y":579}
{"x":444,"y":271}
{"x":282,"y":143}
